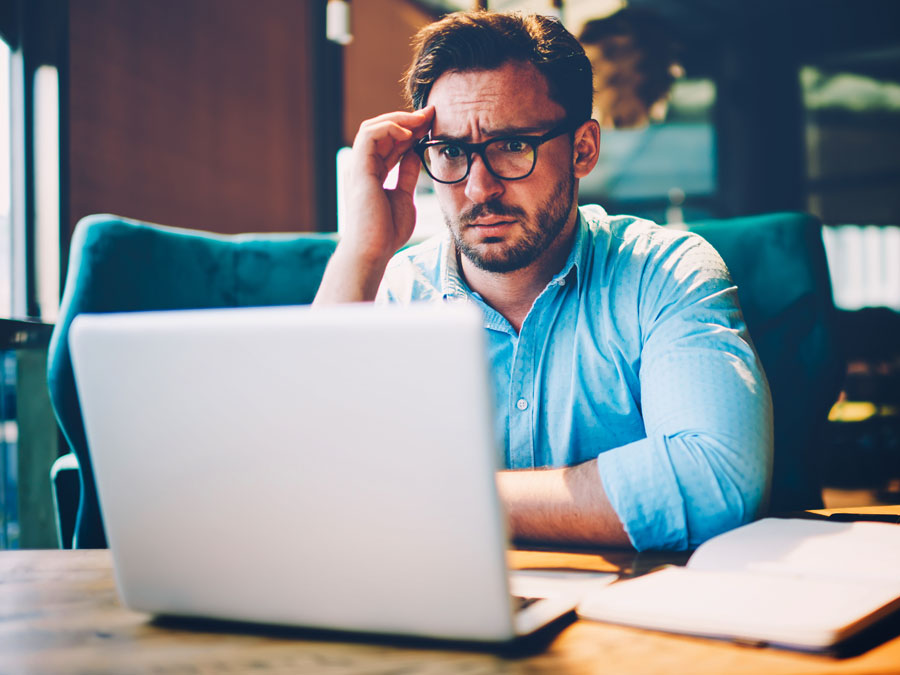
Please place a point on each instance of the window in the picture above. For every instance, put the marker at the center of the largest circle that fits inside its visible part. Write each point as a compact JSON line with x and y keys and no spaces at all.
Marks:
{"x":6,"y":136}
{"x":853,"y":163}
{"x":28,"y":441}
{"x":8,"y":427}
{"x":46,"y":187}
{"x":853,"y":144}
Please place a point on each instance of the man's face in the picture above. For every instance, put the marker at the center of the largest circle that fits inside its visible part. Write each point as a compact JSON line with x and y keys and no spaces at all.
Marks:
{"x":502,"y":225}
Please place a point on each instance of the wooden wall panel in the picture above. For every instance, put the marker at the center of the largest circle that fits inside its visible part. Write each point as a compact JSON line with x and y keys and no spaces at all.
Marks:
{"x":377,"y":58}
{"x":195,"y":113}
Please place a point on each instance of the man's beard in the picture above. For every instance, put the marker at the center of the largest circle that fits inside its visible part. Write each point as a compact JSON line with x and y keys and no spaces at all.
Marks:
{"x":537,"y":232}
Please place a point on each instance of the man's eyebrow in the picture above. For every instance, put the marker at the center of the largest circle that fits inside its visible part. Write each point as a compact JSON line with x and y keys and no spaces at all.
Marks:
{"x":530,"y":130}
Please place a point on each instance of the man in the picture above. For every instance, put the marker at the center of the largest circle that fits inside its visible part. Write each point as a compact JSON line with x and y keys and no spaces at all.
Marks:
{"x":621,"y":363}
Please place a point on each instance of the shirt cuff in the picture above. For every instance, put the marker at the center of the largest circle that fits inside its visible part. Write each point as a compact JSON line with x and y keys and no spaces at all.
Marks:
{"x":641,"y":486}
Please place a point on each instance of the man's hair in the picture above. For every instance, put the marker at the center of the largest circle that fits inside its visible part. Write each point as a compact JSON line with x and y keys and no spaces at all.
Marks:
{"x":481,"y":40}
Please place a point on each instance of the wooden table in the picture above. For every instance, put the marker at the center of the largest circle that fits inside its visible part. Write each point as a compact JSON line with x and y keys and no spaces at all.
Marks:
{"x":59,"y":613}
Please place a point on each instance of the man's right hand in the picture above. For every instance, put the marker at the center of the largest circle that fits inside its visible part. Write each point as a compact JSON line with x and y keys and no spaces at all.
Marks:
{"x":379,"y":221}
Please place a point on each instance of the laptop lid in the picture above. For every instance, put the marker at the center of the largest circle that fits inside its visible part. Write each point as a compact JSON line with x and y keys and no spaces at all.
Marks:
{"x":327,"y":467}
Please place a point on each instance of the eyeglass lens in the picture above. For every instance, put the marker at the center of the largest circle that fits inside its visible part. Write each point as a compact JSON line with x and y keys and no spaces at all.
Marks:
{"x":507,"y":158}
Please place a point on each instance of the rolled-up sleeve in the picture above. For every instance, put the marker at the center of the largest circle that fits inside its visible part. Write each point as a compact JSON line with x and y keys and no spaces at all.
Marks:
{"x":705,"y":464}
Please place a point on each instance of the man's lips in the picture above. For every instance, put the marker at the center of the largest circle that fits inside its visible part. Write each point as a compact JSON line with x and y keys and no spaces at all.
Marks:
{"x":491,"y":222}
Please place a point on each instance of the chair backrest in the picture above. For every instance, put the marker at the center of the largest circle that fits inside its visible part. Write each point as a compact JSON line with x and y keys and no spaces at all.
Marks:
{"x":120,"y":265}
{"x":778,"y":263}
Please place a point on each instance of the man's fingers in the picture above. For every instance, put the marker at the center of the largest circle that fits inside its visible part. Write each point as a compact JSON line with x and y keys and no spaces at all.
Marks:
{"x":408,"y":173}
{"x":382,"y":141}
{"x":417,"y":121}
{"x":379,"y":148}
{"x":400,"y":126}
{"x":383,"y":130}
{"x":381,"y":145}
{"x":388,"y":138}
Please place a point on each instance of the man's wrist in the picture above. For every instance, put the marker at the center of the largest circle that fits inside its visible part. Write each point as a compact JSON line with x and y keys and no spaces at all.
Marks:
{"x":350,"y":277}
{"x":362,"y":257}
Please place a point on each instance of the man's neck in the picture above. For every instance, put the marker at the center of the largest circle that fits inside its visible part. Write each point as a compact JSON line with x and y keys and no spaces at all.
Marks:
{"x":513,"y":293}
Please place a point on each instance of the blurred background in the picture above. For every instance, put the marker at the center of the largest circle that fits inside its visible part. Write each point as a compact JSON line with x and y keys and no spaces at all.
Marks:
{"x":229,"y":116}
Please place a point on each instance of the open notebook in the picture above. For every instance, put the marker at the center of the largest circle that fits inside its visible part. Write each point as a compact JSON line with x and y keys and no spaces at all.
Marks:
{"x":804,"y":584}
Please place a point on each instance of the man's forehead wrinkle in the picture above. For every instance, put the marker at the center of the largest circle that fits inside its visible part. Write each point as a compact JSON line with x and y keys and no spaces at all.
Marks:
{"x":463,"y":119}
{"x":502,"y":130}
{"x":473,"y":105}
{"x":467,"y":102}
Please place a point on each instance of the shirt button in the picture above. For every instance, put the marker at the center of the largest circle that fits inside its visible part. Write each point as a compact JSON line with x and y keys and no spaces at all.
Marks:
{"x":562,"y":282}
{"x":521,"y":404}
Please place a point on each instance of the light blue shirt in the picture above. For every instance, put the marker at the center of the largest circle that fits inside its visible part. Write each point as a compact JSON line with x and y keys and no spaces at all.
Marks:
{"x":635,"y":353}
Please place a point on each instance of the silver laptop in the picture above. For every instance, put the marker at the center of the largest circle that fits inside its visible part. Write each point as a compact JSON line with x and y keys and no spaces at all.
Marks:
{"x":330,"y":468}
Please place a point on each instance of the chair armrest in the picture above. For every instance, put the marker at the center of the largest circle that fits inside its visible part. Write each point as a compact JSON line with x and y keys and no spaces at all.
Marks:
{"x":66,"y":484}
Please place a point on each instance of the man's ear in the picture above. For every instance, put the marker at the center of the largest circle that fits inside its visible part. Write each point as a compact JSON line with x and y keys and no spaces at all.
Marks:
{"x":586,"y":148}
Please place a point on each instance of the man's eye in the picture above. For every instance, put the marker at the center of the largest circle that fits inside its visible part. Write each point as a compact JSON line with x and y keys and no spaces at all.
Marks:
{"x":513,"y":146}
{"x":451,"y":152}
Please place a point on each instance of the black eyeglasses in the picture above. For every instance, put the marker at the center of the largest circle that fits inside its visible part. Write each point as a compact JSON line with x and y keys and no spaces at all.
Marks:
{"x":508,"y":157}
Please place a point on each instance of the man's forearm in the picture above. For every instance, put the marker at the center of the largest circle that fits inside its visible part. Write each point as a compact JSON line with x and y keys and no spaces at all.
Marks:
{"x":561,"y":505}
{"x":350,"y":278}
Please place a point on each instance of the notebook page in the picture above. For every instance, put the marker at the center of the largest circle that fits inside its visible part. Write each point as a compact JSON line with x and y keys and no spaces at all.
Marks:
{"x":806,"y":612}
{"x":863,"y":551}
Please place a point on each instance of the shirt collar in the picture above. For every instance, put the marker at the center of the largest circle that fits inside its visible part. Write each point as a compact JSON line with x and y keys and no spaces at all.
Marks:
{"x":452,"y":285}
{"x":576,"y":255}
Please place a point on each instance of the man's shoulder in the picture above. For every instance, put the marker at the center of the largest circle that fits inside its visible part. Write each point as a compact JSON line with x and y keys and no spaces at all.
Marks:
{"x":635,"y":257}
{"x":628,"y":229}
{"x":635,"y":238}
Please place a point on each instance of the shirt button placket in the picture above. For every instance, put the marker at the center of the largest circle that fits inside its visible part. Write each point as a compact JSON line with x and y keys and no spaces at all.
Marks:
{"x":521,"y":431}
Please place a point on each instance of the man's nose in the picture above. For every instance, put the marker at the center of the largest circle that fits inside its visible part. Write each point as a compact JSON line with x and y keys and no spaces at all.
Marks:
{"x":481,"y":185}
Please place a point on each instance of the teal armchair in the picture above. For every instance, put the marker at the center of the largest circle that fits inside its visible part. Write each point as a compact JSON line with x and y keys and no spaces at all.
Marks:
{"x":777,"y":261}
{"x":120,"y":265}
